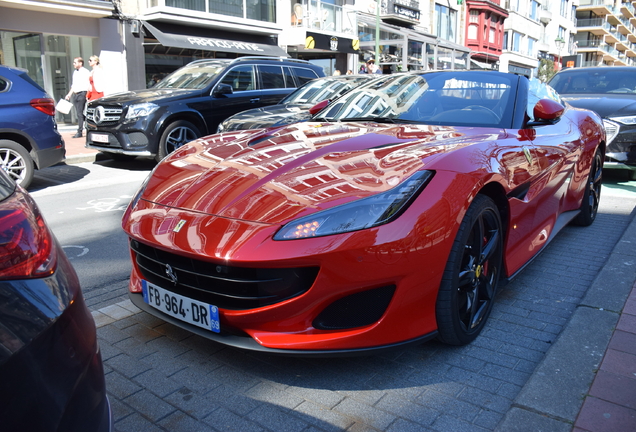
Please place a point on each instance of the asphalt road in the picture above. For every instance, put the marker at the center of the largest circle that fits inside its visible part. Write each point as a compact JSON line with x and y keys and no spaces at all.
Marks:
{"x":162,"y":378}
{"x":83,"y":204}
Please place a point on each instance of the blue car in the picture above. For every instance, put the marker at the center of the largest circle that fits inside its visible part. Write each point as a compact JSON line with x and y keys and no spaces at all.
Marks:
{"x":29,"y":138}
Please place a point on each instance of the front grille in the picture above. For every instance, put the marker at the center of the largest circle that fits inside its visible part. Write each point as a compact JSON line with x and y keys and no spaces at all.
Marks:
{"x":228,"y":287}
{"x":105,"y":115}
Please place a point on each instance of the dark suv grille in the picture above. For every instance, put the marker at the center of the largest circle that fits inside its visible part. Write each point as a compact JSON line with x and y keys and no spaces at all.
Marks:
{"x":227,"y":287}
{"x":106,"y":116}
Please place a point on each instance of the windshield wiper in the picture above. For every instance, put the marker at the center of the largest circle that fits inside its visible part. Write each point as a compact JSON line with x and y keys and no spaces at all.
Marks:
{"x":369,"y":119}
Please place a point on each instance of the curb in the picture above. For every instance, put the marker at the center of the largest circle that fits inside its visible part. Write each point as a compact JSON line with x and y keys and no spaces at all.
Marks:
{"x":553,"y":396}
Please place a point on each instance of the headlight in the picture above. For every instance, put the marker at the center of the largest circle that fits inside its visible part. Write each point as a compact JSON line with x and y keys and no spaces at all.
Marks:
{"x":220,"y":128}
{"x":140,"y":110}
{"x":611,"y":129}
{"x":357,"y":215}
{"x":627,"y":120}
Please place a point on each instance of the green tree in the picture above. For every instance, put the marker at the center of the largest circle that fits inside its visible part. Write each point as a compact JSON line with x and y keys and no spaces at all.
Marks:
{"x":546,"y":70}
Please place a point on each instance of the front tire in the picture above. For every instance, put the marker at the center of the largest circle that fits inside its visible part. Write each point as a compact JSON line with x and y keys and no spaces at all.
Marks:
{"x":16,"y":162}
{"x":592,"y":195}
{"x":469,"y":284}
{"x":176,"y":134}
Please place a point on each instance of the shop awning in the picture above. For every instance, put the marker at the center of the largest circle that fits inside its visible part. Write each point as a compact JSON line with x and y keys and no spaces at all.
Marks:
{"x":214,"y":44}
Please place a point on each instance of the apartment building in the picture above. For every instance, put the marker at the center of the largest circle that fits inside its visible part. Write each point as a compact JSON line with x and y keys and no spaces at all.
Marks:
{"x":605,"y":33}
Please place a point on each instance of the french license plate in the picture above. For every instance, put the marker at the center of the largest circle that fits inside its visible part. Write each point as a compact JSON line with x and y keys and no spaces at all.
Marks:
{"x":182,"y":308}
{"x":101,"y":138}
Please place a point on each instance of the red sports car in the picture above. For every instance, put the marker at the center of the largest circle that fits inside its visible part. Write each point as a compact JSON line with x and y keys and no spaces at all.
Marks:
{"x":388,"y":219}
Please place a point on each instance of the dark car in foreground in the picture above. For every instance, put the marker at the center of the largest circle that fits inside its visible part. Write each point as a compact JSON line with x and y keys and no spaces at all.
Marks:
{"x":51,"y":374}
{"x":611,"y":92}
{"x":29,"y":138}
{"x":295,"y":107}
{"x":190,"y":103}
{"x":388,"y":219}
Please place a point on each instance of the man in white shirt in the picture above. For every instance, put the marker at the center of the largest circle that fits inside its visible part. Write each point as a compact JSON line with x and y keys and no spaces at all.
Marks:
{"x":80,"y":84}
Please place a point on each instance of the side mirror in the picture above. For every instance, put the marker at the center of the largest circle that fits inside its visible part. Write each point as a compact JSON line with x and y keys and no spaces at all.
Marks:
{"x":222,"y":89}
{"x":319,"y":107}
{"x":547,"y":111}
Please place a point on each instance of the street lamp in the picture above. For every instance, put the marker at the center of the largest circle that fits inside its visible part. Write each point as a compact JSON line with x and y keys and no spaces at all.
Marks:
{"x":560,"y":43}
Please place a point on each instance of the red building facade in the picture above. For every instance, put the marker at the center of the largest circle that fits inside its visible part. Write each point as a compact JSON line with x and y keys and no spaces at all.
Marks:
{"x":485,"y":31}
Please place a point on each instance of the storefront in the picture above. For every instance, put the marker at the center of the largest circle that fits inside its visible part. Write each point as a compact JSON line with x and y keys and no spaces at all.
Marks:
{"x":168,"y":46}
{"x":404,"y":49}
{"x":46,"y":46}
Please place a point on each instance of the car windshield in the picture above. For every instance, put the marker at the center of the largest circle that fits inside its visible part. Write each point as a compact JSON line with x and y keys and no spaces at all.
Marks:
{"x":595,"y":81}
{"x":194,"y":76}
{"x":323,"y":88}
{"x":454,"y":98}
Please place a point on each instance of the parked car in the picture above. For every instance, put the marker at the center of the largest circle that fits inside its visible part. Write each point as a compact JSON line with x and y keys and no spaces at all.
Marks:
{"x":190,"y":103}
{"x":611,"y":92}
{"x":29,"y":138}
{"x":295,"y":107}
{"x":51,"y":374}
{"x":388,"y":219}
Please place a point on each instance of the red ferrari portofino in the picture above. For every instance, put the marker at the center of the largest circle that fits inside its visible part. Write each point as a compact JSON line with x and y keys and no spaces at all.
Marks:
{"x":388,"y":219}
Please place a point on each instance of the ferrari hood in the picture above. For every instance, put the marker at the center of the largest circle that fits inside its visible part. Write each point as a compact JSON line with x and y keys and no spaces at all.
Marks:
{"x":275,"y":175}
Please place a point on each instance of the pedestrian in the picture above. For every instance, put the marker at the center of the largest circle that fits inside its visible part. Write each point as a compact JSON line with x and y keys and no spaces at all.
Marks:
{"x":336,"y":72}
{"x":373,"y":68}
{"x":96,"y":79}
{"x":349,"y":72}
{"x":363,"y":69}
{"x":80,"y":84}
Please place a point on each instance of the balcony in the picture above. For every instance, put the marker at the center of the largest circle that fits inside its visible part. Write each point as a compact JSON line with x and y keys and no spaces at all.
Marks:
{"x":545,"y":16}
{"x":316,"y":15}
{"x":599,"y":7}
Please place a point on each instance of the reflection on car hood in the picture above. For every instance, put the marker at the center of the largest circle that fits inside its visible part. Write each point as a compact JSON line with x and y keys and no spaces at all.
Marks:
{"x":148,"y":95}
{"x":603,"y":104}
{"x":267,"y":116}
{"x":275,"y":175}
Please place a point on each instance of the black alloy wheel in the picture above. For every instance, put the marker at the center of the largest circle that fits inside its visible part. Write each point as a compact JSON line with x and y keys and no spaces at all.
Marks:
{"x":592,"y":195}
{"x":176,"y":135}
{"x":469,"y":284}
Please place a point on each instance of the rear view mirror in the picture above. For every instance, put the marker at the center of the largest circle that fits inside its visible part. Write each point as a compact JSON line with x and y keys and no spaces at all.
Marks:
{"x":319,"y":107}
{"x":223,"y":89}
{"x":547,"y":110}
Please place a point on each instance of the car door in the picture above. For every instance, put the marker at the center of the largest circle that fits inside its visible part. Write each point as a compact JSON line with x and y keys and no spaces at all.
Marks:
{"x":276,"y":82}
{"x":245,"y":95}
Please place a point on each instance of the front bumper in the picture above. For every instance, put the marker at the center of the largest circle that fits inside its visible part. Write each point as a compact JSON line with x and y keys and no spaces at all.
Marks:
{"x":621,"y":151}
{"x":133,"y":139}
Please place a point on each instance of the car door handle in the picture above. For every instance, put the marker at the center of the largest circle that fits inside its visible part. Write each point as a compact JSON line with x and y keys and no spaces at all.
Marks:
{"x":255,"y":100}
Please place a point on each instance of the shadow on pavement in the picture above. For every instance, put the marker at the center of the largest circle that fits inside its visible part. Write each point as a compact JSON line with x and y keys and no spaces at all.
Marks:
{"x":56,"y":175}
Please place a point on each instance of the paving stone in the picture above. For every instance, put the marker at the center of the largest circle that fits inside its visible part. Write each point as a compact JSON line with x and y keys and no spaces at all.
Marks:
{"x":196,"y":378}
{"x":488,"y":419}
{"x":365,"y":414}
{"x":149,"y":405}
{"x":277,"y":418}
{"x":602,"y":416}
{"x":181,"y":422}
{"x":267,"y":393}
{"x":450,"y":406}
{"x":227,"y":421}
{"x":421,"y":412}
{"x":322,"y":397}
{"x":401,"y":425}
{"x":323,"y":417}
{"x":192,"y":403}
{"x":226,"y":396}
{"x":486,"y":400}
{"x":623,"y":341}
{"x":158,"y":383}
{"x":136,"y":423}
{"x":127,"y":365}
{"x":447,"y":423}
{"x":620,"y":363}
{"x":614,"y":388}
{"x":120,"y":386}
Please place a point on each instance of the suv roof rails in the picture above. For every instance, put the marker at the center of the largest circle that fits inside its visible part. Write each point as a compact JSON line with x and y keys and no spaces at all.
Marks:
{"x":281,"y":59}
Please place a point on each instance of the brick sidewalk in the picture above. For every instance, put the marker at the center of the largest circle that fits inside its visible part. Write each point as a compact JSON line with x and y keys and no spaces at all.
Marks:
{"x":610,"y":405}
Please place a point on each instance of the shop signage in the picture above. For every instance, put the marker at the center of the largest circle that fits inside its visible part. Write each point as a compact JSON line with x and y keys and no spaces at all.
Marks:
{"x":407,"y":10}
{"x":331,"y":43}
